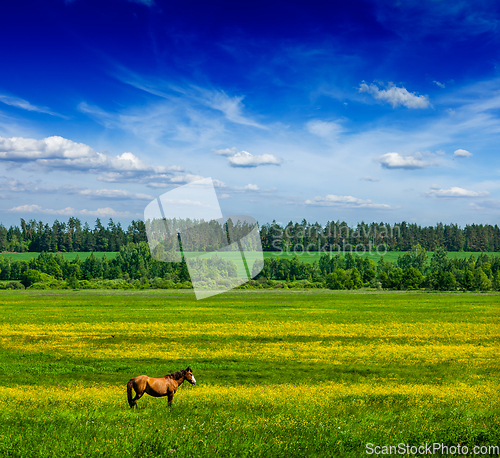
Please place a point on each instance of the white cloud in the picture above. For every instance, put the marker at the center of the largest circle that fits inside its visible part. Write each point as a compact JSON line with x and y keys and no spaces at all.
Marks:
{"x":462,"y":153}
{"x":231,"y":107}
{"x":345,"y":201}
{"x":25,"y":105}
{"x":61,"y":153}
{"x":396,"y":96}
{"x":324,"y":129}
{"x":245,"y":159}
{"x":188,"y":178}
{"x":455,"y":192}
{"x":13,"y":185}
{"x":398,"y":161}
{"x":369,"y":178}
{"x":37,"y":209}
{"x":193,"y":203}
{"x":192,"y":98}
{"x":486,"y":204}
{"x":29,"y":149}
{"x":218,"y":183}
{"x":69,"y":211}
{"x":251,"y":187}
{"x":228,"y":152}
{"x":437,"y":83}
{"x":113,"y":194}
{"x":175,"y":118}
{"x":168,"y":181}
{"x":109,"y":213}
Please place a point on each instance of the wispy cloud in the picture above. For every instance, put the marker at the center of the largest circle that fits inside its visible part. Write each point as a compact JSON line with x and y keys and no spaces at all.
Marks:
{"x":396,"y":96}
{"x":345,"y":202}
{"x":486,"y":204}
{"x":441,"y":85}
{"x":172,"y":181}
{"x":455,"y":191}
{"x":175,"y":119}
{"x":30,"y":188}
{"x":144,"y":2}
{"x":14,"y":185}
{"x":25,"y":105}
{"x":114,"y":194}
{"x":69,"y":211}
{"x":192,"y":100}
{"x":461,"y":20}
{"x":231,"y":107}
{"x":324,"y":129}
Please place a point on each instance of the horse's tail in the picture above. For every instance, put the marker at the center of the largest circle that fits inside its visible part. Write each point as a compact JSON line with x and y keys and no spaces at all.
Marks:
{"x":130,"y":384}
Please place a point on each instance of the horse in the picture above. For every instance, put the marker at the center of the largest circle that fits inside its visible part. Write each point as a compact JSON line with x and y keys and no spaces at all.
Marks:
{"x":157,"y":387}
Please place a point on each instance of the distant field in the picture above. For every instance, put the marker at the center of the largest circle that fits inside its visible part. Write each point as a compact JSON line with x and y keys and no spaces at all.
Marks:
{"x":279,"y":374}
{"x":70,"y":256}
{"x":304,"y":257}
{"x":389,"y":256}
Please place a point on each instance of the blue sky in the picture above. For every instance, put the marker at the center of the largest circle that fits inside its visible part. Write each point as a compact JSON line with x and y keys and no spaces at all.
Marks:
{"x":355,"y":111}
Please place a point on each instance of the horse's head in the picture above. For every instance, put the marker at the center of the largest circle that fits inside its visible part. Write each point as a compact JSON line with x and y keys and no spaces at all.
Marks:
{"x":189,"y":376}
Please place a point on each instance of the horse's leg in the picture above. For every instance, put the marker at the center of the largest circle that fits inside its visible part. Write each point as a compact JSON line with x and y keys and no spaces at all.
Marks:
{"x":170,"y":398}
{"x":138,"y":396}
{"x":131,"y":386}
{"x":140,"y":389}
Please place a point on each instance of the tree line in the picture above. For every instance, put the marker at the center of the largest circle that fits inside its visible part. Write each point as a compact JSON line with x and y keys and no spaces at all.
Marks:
{"x":340,"y":237}
{"x":75,"y":236}
{"x":134,"y":267}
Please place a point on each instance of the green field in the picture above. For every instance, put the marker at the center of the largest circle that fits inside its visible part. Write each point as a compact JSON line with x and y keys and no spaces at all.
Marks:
{"x":70,"y":256}
{"x":304,"y":257}
{"x":389,"y":256}
{"x":279,"y":374}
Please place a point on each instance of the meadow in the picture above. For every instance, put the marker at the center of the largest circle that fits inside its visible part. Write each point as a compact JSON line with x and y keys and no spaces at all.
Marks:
{"x":391,"y":256}
{"x":280,"y":374}
{"x":69,"y":256}
{"x":312,"y":256}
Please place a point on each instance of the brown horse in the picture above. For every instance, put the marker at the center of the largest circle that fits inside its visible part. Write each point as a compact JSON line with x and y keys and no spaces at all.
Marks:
{"x":163,"y":386}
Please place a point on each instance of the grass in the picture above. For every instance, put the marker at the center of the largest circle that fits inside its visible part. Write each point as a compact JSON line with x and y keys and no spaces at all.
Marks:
{"x":279,"y":373}
{"x":304,"y":257}
{"x":389,"y":256}
{"x":69,"y":256}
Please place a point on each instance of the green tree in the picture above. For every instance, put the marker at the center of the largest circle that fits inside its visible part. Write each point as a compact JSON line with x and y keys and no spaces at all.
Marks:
{"x":32,"y":276}
{"x":337,"y":279}
{"x":440,"y":260}
{"x":412,"y":278}
{"x":383,"y":278}
{"x":416,"y":257}
{"x":355,"y":281}
{"x":396,"y":278}
{"x":481,"y":282}
{"x":92,"y":268}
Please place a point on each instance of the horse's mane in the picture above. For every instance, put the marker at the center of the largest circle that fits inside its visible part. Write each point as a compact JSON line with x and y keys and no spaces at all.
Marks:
{"x":176,"y":375}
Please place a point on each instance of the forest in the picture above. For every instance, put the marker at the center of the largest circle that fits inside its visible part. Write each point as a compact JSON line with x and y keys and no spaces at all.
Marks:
{"x":134,"y":268}
{"x":75,"y":236}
